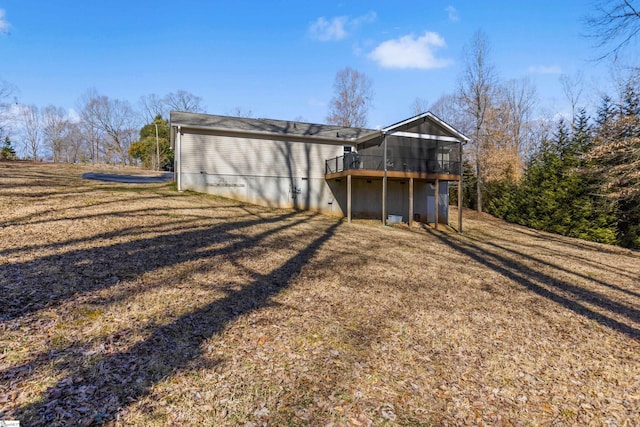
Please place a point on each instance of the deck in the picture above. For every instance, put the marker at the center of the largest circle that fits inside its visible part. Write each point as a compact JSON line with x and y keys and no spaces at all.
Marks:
{"x":367,"y":166}
{"x":355,"y":165}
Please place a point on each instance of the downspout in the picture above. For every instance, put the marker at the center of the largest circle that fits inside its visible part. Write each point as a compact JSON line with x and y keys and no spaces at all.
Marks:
{"x":460,"y":191}
{"x":384,"y":180}
{"x":178,"y":159}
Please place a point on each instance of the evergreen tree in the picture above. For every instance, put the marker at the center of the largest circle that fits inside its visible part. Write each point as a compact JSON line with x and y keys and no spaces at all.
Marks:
{"x":503,"y":200}
{"x":615,"y":156}
{"x":469,"y":179}
{"x":591,"y":218}
{"x":146,"y":149}
{"x":543,"y":184}
{"x":554,"y":194}
{"x":606,"y":114}
{"x":468,"y":187}
{"x":7,"y":152}
{"x":582,"y":132}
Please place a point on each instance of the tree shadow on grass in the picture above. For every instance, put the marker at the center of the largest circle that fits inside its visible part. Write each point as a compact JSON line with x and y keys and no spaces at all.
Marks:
{"x":566,"y":294}
{"x":101,"y":386}
{"x":556,"y":266}
{"x":46,"y":281}
{"x":176,"y":220}
{"x":576,"y":249}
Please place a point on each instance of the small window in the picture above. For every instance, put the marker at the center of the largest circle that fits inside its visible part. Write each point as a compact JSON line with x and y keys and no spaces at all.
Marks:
{"x":347,"y":148}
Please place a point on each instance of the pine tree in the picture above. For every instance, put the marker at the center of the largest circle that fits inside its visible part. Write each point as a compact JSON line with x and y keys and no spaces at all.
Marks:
{"x":593,"y":218}
{"x":7,"y":152}
{"x":615,"y":156}
{"x":555,"y":193}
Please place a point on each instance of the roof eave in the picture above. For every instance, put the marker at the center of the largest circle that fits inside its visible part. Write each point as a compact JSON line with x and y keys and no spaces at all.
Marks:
{"x":432,"y":117}
{"x":274,"y":135}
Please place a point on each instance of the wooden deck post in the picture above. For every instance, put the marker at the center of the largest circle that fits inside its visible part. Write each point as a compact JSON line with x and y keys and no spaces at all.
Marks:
{"x":436,"y":202}
{"x":349,"y":198}
{"x":410,"y":202}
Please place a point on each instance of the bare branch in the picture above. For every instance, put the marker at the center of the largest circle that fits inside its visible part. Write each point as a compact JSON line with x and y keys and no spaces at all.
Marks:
{"x":183,"y":101}
{"x":151,"y":106}
{"x":615,"y":23}
{"x":476,"y":90}
{"x":352,"y":99}
{"x":32,"y":130}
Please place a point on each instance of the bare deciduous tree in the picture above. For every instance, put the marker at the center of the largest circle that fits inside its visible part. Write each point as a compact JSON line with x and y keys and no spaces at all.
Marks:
{"x":32,"y":130}
{"x":92,"y":133}
{"x":117,"y":120}
{"x":55,"y":127}
{"x":183,"y":101}
{"x":419,"y":106}
{"x":240,"y":112}
{"x":448,"y":108}
{"x":518,"y":99}
{"x":572,"y":88}
{"x":507,"y":129}
{"x":476,"y":90}
{"x":151,"y":105}
{"x":352,"y":100}
{"x":614,"y":23}
{"x":76,"y":149}
{"x":7,"y":92}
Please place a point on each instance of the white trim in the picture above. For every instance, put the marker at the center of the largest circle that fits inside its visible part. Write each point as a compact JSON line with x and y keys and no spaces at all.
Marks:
{"x":409,"y":120}
{"x":177,"y":158}
{"x":448,"y":126}
{"x":432,"y":117}
{"x":424,"y":136}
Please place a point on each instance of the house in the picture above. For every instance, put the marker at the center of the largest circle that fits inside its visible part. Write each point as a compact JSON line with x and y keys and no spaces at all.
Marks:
{"x":384,"y":173}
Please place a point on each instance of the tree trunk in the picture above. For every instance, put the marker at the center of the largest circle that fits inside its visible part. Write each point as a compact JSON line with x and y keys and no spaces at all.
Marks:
{"x":478,"y":187}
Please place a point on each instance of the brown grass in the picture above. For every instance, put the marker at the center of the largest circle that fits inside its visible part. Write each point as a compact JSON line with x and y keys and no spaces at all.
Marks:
{"x":125,"y":304}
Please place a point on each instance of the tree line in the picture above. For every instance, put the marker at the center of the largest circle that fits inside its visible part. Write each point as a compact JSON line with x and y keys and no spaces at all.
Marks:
{"x":107,"y":130}
{"x":577,"y":176}
{"x":584,"y":180}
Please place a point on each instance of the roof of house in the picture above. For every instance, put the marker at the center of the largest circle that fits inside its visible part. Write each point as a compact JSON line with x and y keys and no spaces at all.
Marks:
{"x":412,"y":121}
{"x":271,"y":127}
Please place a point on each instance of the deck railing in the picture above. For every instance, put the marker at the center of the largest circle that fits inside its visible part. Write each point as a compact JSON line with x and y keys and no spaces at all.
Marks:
{"x":368,"y":162}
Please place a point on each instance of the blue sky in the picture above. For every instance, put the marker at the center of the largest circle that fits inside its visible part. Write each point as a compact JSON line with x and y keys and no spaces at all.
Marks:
{"x":279,"y":58}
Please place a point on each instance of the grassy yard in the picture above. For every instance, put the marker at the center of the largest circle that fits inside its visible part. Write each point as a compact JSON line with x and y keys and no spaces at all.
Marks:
{"x":125,"y":304}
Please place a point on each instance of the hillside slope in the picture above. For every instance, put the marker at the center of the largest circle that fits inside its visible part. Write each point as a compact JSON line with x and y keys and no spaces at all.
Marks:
{"x":130,"y":304}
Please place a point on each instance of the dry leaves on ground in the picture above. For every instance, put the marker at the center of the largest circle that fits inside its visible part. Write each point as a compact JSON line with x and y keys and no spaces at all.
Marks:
{"x":126,"y":304}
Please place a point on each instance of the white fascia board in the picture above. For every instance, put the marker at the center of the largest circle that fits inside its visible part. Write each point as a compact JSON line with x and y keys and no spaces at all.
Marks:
{"x":404,"y":122}
{"x":424,"y":136}
{"x":447,"y":126}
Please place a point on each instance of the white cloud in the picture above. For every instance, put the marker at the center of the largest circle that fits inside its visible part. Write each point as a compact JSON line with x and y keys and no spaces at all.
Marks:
{"x":4,"y":25}
{"x":411,"y":52}
{"x":324,"y":30}
{"x":368,"y":18}
{"x":339,"y":27}
{"x":543,"y":69}
{"x":453,"y":14}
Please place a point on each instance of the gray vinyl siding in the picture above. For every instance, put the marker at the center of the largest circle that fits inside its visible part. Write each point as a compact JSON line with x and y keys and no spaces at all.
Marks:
{"x":226,"y":155}
{"x":275,"y":173}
